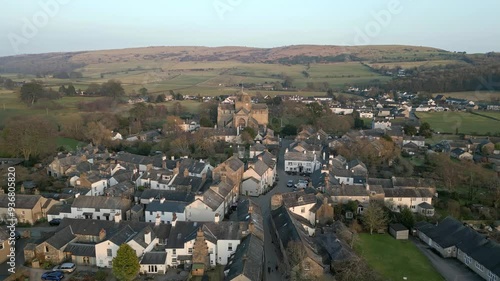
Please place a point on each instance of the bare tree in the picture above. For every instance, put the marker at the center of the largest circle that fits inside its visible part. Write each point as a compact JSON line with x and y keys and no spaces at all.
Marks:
{"x":374,"y":217}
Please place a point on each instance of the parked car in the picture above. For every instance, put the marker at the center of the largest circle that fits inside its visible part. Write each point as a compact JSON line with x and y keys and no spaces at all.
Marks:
{"x":53,"y":275}
{"x":65,"y":267}
{"x":301,"y":184}
{"x":55,"y":222}
{"x":290,"y":183}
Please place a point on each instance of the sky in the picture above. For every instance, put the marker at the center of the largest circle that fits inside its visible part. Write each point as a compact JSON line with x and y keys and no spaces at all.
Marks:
{"x":40,"y":26}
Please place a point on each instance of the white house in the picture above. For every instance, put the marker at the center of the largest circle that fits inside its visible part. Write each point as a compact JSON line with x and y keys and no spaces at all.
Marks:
{"x":154,"y":263}
{"x":207,"y":207}
{"x":255,"y":179}
{"x":167,"y":210}
{"x":301,"y":162}
{"x":300,"y":204}
{"x":156,"y":179}
{"x":365,"y":114}
{"x":106,"y":250}
{"x":99,"y":207}
{"x":420,"y":141}
{"x":395,"y":198}
{"x":342,"y":110}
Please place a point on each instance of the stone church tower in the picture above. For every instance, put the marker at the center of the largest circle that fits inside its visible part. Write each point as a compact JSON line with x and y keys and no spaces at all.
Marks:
{"x":243,"y":113}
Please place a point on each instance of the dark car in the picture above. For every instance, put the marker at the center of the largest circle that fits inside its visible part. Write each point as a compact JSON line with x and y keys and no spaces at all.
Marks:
{"x":55,"y":222}
{"x":53,"y":275}
{"x":290,"y":183}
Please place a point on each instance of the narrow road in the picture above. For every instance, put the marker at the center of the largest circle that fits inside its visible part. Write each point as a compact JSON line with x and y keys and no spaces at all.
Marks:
{"x":271,"y":251}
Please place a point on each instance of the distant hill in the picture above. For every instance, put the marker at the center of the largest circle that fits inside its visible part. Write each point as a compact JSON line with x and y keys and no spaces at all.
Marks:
{"x":299,"y":54}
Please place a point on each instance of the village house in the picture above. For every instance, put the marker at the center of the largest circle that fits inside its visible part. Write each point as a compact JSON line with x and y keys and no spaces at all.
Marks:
{"x":292,"y":239}
{"x":4,"y":245}
{"x":453,"y":239}
{"x":98,"y":207}
{"x":29,"y":208}
{"x":247,"y":263}
{"x":348,"y":173}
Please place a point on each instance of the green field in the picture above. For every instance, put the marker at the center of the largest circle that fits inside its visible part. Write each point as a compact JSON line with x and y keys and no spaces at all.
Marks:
{"x":67,"y":143}
{"x":467,"y":123}
{"x":395,"y":259}
{"x":472,"y":95}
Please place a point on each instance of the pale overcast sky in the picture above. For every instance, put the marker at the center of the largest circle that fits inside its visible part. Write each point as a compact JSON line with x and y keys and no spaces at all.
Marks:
{"x":39,"y":26}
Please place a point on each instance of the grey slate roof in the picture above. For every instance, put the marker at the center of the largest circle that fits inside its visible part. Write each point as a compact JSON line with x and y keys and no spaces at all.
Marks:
{"x":212,"y":199}
{"x":260,"y":167}
{"x":154,"y":258}
{"x":59,"y":208}
{"x":123,"y":235}
{"x":408,"y":192}
{"x":180,"y":196}
{"x":182,"y":232}
{"x":397,"y":227}
{"x":351,"y":190}
{"x":247,"y":260}
{"x":166,"y":206}
{"x":101,"y":202}
{"x":234,"y":163}
{"x":22,"y":201}
{"x":81,"y":250}
{"x":298,"y":198}
{"x":61,"y":238}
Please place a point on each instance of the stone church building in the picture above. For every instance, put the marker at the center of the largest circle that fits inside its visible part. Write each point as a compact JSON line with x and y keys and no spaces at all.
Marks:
{"x":243,"y":113}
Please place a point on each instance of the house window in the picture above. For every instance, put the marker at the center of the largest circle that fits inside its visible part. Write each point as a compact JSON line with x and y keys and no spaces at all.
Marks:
{"x":211,"y":251}
{"x":174,"y":260}
{"x":46,"y":249}
{"x":78,"y":209}
{"x":230,"y":247}
{"x":174,"y":252}
{"x":479,"y":266}
{"x":307,"y":266}
{"x":303,"y":210}
{"x":492,"y":276}
{"x":190,"y":251}
{"x":110,"y":263}
{"x":1,"y":246}
{"x":412,"y":206}
{"x":110,"y":253}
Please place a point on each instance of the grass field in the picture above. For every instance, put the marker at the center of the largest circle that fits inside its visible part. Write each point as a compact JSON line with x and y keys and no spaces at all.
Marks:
{"x":472,"y":95}
{"x":395,"y":259}
{"x":467,"y":123}
{"x":67,"y":143}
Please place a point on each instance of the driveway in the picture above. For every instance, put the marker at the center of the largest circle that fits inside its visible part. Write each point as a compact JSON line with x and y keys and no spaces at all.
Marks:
{"x":451,"y":269}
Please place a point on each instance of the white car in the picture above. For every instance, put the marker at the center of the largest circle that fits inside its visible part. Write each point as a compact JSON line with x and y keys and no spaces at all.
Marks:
{"x":65,"y":267}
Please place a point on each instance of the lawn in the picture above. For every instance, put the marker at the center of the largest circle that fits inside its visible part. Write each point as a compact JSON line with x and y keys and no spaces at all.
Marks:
{"x":467,"y":123}
{"x":67,"y":143}
{"x":395,"y":259}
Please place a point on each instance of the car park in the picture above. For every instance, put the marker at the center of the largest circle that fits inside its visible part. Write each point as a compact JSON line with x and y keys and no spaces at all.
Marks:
{"x":65,"y":267}
{"x":53,"y":275}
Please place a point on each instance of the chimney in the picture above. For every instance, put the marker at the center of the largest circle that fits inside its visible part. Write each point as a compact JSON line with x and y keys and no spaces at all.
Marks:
{"x":251,"y":227}
{"x":174,"y":222}
{"x":157,"y":220}
{"x":276,"y":201}
{"x":367,"y":187}
{"x":172,"y":158}
{"x":186,"y":172}
{"x":250,"y":209}
{"x":217,"y":218}
{"x":162,"y":200}
{"x":243,"y":228}
{"x":147,"y":237}
{"x":118,"y":217}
